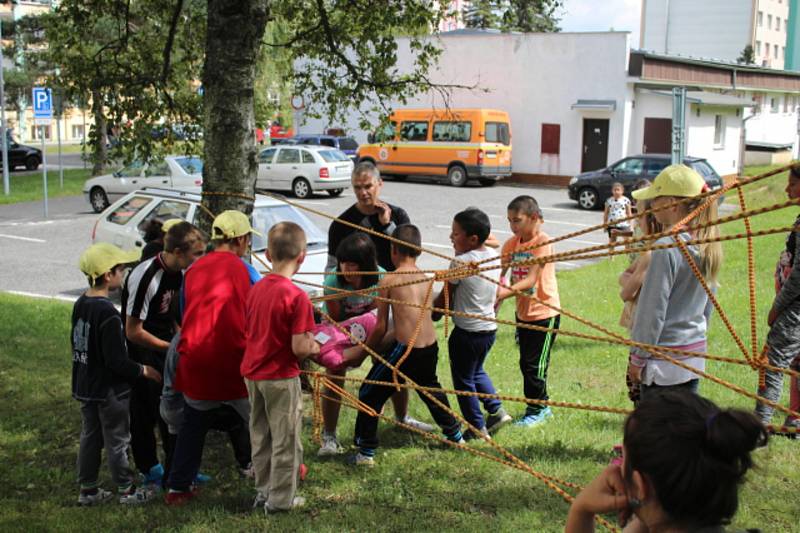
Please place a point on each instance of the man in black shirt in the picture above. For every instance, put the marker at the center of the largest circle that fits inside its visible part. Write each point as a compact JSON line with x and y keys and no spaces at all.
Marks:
{"x":371,"y":212}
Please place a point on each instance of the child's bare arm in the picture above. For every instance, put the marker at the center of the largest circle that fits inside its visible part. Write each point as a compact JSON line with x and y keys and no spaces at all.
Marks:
{"x":375,"y":338}
{"x":605,"y":214}
{"x":439,"y":300}
{"x":134,"y":329}
{"x":304,"y":345}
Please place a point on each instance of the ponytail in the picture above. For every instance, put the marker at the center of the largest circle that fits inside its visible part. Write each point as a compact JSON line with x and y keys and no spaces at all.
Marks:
{"x":710,"y":252}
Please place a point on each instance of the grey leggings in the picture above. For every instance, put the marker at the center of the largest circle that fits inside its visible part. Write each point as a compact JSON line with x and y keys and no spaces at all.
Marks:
{"x":784,"y":345}
{"x":105,"y":424}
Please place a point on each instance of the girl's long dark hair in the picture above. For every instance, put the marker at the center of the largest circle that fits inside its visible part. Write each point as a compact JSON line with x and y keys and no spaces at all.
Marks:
{"x":358,"y":248}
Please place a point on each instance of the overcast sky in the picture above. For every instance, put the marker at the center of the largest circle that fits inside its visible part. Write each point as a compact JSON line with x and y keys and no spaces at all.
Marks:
{"x":602,"y":15}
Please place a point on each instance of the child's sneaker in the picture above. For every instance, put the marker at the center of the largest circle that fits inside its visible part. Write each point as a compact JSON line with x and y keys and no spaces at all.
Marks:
{"x":247,"y":471}
{"x":201,"y":479}
{"x":303,"y":471}
{"x":330,"y":446}
{"x":494,"y":421}
{"x":155,"y":476}
{"x":297,"y":501}
{"x":534,"y":419}
{"x":481,"y":435}
{"x":94,"y":497}
{"x":136,"y":496}
{"x":416,"y":424}
{"x":259,"y":502}
{"x":176,"y":498}
{"x":360,"y":459}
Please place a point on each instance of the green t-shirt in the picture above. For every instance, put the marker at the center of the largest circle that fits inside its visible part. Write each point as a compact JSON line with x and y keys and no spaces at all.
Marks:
{"x":354,"y":304}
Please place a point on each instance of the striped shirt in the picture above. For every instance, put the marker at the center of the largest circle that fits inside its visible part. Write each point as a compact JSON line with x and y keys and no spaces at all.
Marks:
{"x":150,"y":293}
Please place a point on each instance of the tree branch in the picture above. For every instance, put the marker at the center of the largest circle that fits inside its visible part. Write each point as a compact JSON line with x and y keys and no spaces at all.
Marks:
{"x":170,"y":40}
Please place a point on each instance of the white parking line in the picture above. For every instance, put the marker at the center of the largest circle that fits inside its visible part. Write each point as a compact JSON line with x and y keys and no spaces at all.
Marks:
{"x":28,"y":239}
{"x":309,"y":202}
{"x":434,"y":245}
{"x":591,"y":243}
{"x":503,"y":232}
{"x":551,"y":221}
{"x":44,"y":296}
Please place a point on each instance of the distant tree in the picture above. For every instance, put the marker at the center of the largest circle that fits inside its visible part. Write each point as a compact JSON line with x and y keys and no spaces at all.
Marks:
{"x":747,"y":57}
{"x":482,"y":14}
{"x":531,"y":15}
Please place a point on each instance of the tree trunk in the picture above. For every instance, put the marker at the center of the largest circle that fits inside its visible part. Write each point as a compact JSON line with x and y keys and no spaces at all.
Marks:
{"x":99,"y":140}
{"x":233,"y":39}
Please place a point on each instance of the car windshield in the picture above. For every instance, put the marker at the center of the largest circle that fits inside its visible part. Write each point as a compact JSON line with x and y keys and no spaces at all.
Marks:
{"x":703,"y":169}
{"x":265,"y":217}
{"x":332,"y":156}
{"x":190,"y":165}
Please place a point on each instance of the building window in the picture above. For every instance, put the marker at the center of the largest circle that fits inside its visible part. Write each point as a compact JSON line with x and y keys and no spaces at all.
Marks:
{"x":776,"y":51}
{"x":769,"y":22}
{"x":551,"y":139}
{"x":719,"y":131}
{"x":783,"y":52}
{"x":77,"y":131}
{"x":766,"y":50}
{"x":36,"y":135}
{"x":758,"y":48}
{"x":773,"y":104}
{"x":760,"y":18}
{"x":777,"y":24}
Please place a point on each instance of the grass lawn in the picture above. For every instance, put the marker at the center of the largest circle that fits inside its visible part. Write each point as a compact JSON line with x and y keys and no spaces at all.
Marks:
{"x":71,"y":148}
{"x":416,"y":485}
{"x":30,"y":187}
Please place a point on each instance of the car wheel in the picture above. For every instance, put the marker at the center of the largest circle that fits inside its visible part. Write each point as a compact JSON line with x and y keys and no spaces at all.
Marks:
{"x":335,"y":192}
{"x":457,"y":176}
{"x":32,"y":163}
{"x":587,"y":198}
{"x":486,"y":182}
{"x":301,"y":188}
{"x":98,"y":199}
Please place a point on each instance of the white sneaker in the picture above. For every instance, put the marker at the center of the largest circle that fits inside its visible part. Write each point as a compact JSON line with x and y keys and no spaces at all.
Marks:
{"x":416,"y":424}
{"x":101,"y":496}
{"x":297,"y":501}
{"x":330,"y":447}
{"x":137,"y":496}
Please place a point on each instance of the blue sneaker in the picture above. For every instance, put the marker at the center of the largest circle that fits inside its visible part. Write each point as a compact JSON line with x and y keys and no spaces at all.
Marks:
{"x":154,"y":476}
{"x":534,"y":419}
{"x":201,"y":479}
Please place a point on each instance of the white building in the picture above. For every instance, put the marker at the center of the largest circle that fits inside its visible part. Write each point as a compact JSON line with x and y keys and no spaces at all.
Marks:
{"x":717,"y":29}
{"x":580,"y":101}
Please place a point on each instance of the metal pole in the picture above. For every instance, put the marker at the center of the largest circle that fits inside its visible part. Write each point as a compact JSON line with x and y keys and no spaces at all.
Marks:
{"x":60,"y":167}
{"x":6,"y":184}
{"x":44,"y":170}
{"x":678,"y":125}
{"x":83,"y":135}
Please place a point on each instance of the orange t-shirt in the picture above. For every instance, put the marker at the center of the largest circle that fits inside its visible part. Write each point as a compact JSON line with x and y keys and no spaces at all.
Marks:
{"x":545,"y":288}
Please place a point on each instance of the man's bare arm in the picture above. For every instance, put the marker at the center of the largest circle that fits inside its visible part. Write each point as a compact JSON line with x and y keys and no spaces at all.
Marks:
{"x":134,"y":330}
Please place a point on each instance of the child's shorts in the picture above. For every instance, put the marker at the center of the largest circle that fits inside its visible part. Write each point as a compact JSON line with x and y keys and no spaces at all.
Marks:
{"x":619,"y":230}
{"x":331,"y":351}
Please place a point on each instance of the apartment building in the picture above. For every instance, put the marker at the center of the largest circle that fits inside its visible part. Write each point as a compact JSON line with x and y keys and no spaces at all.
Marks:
{"x":718,"y":29}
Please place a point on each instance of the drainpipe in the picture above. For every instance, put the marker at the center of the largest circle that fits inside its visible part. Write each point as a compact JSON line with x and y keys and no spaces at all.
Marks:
{"x":742,"y":142}
{"x":666,"y":30}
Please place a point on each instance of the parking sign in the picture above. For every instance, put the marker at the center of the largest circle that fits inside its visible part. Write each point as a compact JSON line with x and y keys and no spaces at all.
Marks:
{"x":42,"y":105}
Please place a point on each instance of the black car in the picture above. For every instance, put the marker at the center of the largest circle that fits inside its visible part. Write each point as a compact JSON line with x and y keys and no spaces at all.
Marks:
{"x":20,"y":155}
{"x":348,"y":145}
{"x":590,"y":189}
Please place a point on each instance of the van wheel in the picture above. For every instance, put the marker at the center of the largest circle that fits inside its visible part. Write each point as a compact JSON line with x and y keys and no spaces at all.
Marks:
{"x":301,"y":188}
{"x":98,"y":199}
{"x":335,"y":192}
{"x":486,"y":182}
{"x":457,"y":176}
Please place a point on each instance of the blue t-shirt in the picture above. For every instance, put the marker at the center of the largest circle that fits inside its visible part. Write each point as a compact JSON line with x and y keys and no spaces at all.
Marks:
{"x":353,"y":304}
{"x":252,"y":272}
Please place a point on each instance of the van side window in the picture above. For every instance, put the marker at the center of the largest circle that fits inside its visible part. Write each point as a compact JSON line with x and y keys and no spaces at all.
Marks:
{"x":414,"y":131}
{"x":327,"y":142}
{"x":386,"y":132}
{"x":452,"y":131}
{"x":497,"y":132}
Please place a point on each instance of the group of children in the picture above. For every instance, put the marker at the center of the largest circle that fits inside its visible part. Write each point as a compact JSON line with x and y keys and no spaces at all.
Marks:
{"x":241,"y":340}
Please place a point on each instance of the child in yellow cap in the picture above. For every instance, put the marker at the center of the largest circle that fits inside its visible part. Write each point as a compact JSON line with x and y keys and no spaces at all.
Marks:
{"x":674,"y":308}
{"x":101,"y":373}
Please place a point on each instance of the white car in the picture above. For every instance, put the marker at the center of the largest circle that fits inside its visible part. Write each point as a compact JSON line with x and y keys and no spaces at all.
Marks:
{"x":172,"y":171}
{"x":304,"y":169}
{"x":122,"y":224}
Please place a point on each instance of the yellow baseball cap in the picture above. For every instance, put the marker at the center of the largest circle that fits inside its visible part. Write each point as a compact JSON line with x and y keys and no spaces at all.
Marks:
{"x":675,"y":180}
{"x":231,"y":224}
{"x":101,"y":257}
{"x":169,"y":223}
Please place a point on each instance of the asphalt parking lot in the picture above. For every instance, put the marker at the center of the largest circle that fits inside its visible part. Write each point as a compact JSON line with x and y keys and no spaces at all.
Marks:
{"x":39,"y":256}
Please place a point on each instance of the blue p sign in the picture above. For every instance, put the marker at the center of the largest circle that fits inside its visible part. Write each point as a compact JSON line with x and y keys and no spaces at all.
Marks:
{"x":42,"y":102}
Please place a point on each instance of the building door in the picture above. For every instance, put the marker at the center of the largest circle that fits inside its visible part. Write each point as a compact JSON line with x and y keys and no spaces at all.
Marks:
{"x":595,"y":144}
{"x":657,"y":136}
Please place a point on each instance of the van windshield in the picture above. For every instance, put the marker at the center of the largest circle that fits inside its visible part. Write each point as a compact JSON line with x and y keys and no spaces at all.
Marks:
{"x":497,"y":132}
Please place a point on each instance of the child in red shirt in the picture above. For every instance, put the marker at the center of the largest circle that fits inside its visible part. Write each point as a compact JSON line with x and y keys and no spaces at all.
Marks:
{"x":279,"y":333}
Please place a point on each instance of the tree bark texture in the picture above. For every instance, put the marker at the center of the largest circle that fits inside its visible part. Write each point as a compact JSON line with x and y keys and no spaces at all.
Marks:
{"x":100,"y":152}
{"x":233,"y":39}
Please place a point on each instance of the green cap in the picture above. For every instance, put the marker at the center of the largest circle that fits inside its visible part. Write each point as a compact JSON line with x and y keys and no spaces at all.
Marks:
{"x":675,"y":180}
{"x":101,"y":257}
{"x":231,"y":224}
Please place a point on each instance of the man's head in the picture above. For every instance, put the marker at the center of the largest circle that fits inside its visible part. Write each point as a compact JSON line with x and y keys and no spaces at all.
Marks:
{"x":104,"y":265}
{"x":286,"y":242}
{"x":231,"y":230}
{"x":185,"y":243}
{"x":471,"y":227}
{"x":367,"y":184}
{"x":407,"y":233}
{"x":524,"y":215}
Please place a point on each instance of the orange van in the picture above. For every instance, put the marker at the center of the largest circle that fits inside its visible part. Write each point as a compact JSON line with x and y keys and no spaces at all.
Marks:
{"x":456,"y":144}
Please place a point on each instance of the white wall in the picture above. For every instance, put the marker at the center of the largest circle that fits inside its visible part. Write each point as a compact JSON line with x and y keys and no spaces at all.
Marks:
{"x":775,"y":128}
{"x":718,"y":29}
{"x":536,"y":78}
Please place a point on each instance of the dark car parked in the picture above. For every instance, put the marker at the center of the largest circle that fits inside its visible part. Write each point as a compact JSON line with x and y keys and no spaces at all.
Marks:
{"x":348,"y":145}
{"x":20,"y":155}
{"x":591,"y":189}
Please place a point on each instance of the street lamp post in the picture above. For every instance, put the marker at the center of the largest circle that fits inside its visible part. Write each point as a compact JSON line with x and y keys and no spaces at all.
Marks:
{"x":3,"y":134}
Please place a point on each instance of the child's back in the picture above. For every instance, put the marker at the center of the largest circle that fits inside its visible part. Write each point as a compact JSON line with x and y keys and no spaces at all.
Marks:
{"x":406,"y":317}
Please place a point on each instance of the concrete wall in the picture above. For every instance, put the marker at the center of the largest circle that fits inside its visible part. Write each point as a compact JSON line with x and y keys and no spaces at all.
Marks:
{"x":718,"y":29}
{"x":774,"y":127}
{"x":782,"y":157}
{"x":536,"y":78}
